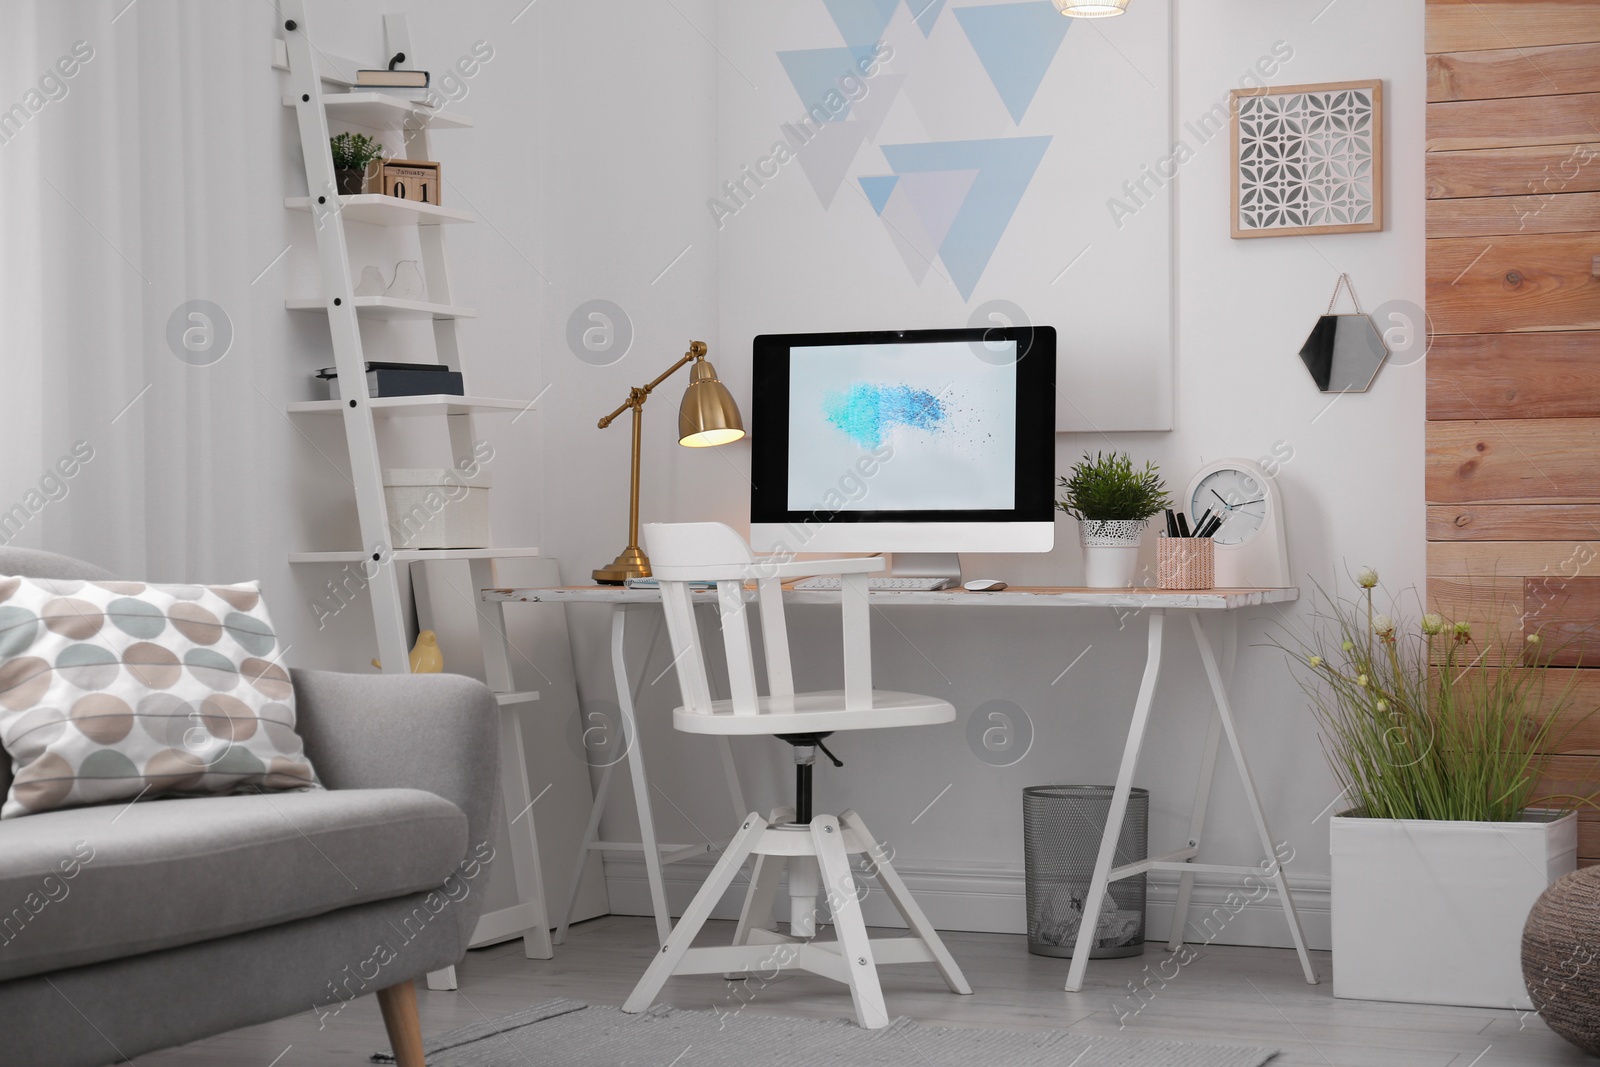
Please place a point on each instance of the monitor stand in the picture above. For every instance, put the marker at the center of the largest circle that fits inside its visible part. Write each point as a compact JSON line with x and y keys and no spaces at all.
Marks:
{"x":924,"y":565}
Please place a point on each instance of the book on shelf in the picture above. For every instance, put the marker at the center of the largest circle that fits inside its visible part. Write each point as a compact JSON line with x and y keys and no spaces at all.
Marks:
{"x":655,"y":583}
{"x":391,"y":79}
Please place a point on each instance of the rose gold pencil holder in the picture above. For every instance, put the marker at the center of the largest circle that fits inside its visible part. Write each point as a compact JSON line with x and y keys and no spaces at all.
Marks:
{"x":1185,"y":562}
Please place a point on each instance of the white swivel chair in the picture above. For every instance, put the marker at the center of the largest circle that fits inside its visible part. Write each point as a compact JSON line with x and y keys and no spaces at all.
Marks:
{"x":816,"y":849}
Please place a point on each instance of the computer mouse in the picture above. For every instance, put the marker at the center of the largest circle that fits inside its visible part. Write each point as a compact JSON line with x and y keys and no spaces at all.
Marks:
{"x":984,"y":585}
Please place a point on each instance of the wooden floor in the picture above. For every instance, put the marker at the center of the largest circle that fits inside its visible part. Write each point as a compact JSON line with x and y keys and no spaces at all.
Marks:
{"x":1226,"y":995}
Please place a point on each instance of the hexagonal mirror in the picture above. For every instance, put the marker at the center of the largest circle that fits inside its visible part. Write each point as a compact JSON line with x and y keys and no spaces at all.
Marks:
{"x":1344,"y":353}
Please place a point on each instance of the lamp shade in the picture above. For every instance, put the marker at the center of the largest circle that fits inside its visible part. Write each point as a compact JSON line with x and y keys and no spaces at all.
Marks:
{"x":1091,"y":9}
{"x":708,"y":414}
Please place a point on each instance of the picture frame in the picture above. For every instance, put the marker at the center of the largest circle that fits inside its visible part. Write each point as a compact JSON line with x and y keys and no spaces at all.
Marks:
{"x":1307,"y":159}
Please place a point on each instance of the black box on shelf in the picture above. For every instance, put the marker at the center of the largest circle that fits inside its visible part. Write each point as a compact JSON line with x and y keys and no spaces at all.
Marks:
{"x":401,"y":379}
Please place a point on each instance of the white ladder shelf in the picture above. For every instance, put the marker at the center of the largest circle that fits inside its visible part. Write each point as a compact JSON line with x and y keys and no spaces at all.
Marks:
{"x":330,"y":212}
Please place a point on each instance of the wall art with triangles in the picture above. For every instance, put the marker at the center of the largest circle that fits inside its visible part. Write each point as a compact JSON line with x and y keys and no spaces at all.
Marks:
{"x":906,"y":164}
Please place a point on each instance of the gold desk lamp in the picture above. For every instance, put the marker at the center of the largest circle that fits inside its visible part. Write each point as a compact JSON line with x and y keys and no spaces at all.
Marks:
{"x":708,"y":416}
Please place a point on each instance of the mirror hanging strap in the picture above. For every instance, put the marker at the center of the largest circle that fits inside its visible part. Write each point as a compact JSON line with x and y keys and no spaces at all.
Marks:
{"x":1344,"y":282}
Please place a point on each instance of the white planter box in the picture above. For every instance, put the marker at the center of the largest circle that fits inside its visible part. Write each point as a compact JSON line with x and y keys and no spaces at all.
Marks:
{"x":1432,"y":912}
{"x":437,"y":508}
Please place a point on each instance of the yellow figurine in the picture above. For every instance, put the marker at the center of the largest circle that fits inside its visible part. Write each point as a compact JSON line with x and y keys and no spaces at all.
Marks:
{"x":425,"y":655}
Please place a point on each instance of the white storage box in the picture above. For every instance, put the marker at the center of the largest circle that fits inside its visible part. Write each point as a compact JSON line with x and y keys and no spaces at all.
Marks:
{"x":1432,"y":912}
{"x":435,"y":507}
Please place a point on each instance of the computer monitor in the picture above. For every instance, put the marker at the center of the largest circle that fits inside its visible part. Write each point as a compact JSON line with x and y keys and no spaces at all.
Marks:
{"x":917,"y":441}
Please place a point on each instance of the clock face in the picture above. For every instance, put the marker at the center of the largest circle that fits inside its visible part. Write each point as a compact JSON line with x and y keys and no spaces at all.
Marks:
{"x":1236,"y":495}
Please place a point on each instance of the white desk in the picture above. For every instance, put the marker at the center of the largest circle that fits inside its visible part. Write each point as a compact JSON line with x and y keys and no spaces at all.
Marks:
{"x":1153,"y":605}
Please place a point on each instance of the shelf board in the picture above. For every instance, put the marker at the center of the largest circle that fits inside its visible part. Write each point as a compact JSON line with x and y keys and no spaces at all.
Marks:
{"x":407,"y":555}
{"x":385,"y":307}
{"x":379,"y":209}
{"x":524,"y":697}
{"x":386,"y":111}
{"x":392,"y":407}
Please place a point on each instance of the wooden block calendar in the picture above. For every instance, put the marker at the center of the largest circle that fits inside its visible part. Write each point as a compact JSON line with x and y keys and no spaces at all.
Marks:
{"x":411,"y":179}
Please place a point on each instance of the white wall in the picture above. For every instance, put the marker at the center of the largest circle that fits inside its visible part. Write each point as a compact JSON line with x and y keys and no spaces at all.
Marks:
{"x":1353,"y":488}
{"x":595,"y":150}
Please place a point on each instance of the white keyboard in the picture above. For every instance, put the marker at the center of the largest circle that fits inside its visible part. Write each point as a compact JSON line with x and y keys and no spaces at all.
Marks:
{"x":877,"y":582}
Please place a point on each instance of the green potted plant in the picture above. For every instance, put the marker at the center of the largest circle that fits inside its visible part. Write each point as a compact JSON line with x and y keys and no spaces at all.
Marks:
{"x":1113,"y":502}
{"x":1437,"y":740}
{"x":353,"y":153}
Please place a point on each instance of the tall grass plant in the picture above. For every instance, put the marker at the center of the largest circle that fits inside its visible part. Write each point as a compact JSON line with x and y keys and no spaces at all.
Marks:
{"x":1424,"y":720}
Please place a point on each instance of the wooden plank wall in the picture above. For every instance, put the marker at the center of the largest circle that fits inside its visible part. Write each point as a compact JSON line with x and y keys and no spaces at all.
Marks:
{"x":1513,"y":465}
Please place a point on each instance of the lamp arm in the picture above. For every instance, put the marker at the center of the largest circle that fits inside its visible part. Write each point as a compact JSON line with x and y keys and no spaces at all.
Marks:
{"x":626,"y":404}
{"x":637,"y":395}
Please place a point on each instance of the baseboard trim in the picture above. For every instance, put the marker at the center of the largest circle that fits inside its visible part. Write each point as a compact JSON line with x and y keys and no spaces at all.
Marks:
{"x":963,"y":896}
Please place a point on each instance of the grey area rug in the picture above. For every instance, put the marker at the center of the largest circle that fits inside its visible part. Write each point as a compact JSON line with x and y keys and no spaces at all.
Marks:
{"x":569,"y":1033}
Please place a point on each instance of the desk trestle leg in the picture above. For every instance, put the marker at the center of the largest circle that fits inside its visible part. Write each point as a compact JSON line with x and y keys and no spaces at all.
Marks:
{"x":1197,"y":826}
{"x":1119,"y":804}
{"x":1202,"y":790}
{"x":654,"y":853}
{"x":1225,"y":713}
{"x":1222,"y":726}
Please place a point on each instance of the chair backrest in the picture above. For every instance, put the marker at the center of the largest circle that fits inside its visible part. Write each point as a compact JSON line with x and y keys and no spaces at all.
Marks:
{"x":703,"y":551}
{"x":685,"y":553}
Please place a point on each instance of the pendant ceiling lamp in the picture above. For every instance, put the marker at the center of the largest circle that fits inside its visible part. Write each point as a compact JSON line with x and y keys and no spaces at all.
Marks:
{"x":1091,"y":9}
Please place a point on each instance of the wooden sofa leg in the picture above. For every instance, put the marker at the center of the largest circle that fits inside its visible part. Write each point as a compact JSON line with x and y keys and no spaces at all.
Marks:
{"x":399,"y":1005}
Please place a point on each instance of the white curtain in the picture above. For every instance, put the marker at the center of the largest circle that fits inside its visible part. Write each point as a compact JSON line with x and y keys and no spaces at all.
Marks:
{"x":148,"y":179}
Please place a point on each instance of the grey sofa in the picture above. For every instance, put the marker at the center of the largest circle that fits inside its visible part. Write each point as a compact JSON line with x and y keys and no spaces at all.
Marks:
{"x":125,"y":929}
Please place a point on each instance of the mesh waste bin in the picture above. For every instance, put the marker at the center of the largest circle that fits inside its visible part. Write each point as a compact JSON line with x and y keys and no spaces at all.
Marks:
{"x":1061,"y":830}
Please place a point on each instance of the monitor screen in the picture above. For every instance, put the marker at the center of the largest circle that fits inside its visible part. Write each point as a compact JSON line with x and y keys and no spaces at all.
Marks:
{"x":927,"y":427}
{"x":944,"y":420}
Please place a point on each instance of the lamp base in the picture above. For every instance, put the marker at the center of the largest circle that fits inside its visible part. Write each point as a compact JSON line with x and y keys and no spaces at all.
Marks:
{"x":630,"y":563}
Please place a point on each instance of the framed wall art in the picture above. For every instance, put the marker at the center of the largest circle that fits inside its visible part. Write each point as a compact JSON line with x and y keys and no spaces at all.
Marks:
{"x":1307,"y":159}
{"x":930,"y":162}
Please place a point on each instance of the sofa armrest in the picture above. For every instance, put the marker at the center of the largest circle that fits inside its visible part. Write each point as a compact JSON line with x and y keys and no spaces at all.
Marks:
{"x":438,"y":732}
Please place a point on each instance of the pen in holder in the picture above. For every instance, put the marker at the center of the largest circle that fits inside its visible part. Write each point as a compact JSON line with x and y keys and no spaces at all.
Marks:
{"x":1185,"y":562}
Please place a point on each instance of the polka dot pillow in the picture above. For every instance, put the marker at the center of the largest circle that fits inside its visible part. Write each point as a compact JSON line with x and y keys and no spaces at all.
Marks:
{"x":111,"y":691}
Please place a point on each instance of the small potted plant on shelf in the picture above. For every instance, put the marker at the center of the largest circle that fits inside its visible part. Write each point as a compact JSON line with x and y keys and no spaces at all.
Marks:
{"x":1438,"y":741}
{"x":353,"y":153}
{"x":1113,"y":503}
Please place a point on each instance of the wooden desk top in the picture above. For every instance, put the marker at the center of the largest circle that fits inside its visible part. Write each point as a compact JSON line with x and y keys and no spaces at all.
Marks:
{"x":1011,"y":597}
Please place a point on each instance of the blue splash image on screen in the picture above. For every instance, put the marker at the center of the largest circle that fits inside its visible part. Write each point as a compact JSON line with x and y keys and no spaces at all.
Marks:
{"x":868,"y":411}
{"x":935,"y":422}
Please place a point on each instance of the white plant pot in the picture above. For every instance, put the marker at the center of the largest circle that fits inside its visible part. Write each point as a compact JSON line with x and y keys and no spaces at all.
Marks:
{"x":1105,"y":567}
{"x":1432,"y":912}
{"x":1110,"y":552}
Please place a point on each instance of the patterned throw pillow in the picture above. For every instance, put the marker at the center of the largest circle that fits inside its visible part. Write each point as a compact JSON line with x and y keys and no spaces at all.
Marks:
{"x":111,"y":691}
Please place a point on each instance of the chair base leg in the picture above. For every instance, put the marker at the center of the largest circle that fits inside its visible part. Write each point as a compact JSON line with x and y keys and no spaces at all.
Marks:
{"x":399,"y":1006}
{"x":854,"y":945}
{"x":694,"y":917}
{"x":757,"y":911}
{"x":827,"y":844}
{"x":895,"y":889}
